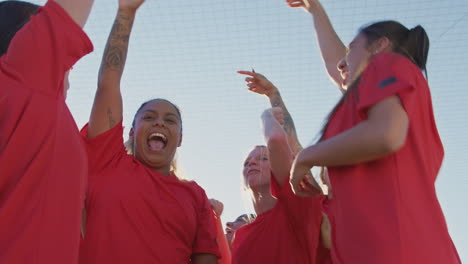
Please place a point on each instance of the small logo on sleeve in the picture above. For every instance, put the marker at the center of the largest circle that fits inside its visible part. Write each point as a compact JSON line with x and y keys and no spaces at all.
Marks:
{"x":388,"y":81}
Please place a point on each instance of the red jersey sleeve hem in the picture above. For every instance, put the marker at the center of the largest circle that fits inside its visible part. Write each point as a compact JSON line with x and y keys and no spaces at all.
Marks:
{"x":104,"y":148}
{"x":387,"y":75}
{"x":84,"y":132}
{"x":86,"y":45}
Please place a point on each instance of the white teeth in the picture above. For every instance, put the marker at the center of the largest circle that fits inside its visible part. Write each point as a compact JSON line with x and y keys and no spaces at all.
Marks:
{"x":158,"y":135}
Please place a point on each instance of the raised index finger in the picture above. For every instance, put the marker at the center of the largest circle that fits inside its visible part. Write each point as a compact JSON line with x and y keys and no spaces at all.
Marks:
{"x":249,"y":73}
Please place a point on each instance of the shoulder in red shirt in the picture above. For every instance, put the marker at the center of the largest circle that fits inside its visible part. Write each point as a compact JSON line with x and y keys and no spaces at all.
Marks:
{"x":43,"y":163}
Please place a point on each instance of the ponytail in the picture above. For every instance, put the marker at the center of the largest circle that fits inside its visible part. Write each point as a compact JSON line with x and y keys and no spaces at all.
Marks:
{"x":417,"y":45}
{"x":412,"y":44}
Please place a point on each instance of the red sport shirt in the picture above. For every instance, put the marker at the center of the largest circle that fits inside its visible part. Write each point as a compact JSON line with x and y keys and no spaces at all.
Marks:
{"x":136,"y":215}
{"x":43,"y":164}
{"x":386,"y":211}
{"x":287,"y":233}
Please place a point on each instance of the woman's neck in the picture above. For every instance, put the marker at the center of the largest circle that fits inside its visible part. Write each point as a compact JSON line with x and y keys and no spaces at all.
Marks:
{"x":263,"y":200}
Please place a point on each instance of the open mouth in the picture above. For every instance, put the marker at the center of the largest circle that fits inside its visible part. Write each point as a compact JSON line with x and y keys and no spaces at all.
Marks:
{"x":157,"y":141}
{"x":253,"y":171}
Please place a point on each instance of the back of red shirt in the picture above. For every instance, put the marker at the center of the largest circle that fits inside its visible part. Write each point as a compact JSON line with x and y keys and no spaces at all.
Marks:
{"x":288,"y":233}
{"x":43,"y":162}
{"x":386,"y":211}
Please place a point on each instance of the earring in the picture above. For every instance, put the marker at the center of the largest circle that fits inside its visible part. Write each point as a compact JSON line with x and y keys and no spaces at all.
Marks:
{"x":375,"y":52}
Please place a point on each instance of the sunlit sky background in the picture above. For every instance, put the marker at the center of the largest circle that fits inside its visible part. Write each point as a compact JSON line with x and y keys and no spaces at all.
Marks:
{"x":189,"y":52}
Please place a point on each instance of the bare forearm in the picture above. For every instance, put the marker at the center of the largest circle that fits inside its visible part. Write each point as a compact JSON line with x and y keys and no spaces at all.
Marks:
{"x":359,"y":144}
{"x":115,"y":53}
{"x":278,"y":148}
{"x":384,"y":132}
{"x":277,"y":101}
{"x":107,"y":107}
{"x":331,"y":46}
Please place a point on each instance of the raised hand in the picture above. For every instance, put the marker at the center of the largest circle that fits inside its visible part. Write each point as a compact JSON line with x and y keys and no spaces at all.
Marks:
{"x":258,"y":83}
{"x":302,"y":182}
{"x":217,"y":206}
{"x":308,"y":5}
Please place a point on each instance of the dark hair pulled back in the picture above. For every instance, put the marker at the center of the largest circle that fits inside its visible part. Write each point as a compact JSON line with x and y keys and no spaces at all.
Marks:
{"x":410,"y":43}
{"x":13,"y":16}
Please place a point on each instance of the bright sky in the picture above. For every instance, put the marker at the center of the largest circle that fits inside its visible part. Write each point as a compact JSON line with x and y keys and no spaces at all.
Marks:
{"x":188,"y":52}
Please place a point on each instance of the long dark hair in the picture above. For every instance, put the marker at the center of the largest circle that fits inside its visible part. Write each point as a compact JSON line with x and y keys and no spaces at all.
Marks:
{"x":13,"y":16}
{"x":410,"y":43}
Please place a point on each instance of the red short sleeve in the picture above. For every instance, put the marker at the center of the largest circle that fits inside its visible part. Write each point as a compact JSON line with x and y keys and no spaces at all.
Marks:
{"x":45,"y":48}
{"x":105,"y":148}
{"x":278,"y":190}
{"x":388,"y":74}
{"x":299,"y":209}
{"x":223,"y":245}
{"x":205,"y":240}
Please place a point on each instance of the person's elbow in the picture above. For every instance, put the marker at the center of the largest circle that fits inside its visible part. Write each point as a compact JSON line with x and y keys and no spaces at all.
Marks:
{"x":390,"y":123}
{"x":394,"y":138}
{"x":276,"y":140}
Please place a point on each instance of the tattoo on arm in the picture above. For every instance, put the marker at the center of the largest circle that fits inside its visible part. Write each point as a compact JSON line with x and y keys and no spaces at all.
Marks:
{"x":111,"y":118}
{"x":288,"y":127}
{"x":113,"y":60}
{"x":115,"y":53}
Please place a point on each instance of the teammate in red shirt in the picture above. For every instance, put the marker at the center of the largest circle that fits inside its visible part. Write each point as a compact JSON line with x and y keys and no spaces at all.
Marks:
{"x":223,"y":244}
{"x":232,"y":227}
{"x":383,"y":154}
{"x":287,"y":228}
{"x":138,"y":211}
{"x":43,"y":163}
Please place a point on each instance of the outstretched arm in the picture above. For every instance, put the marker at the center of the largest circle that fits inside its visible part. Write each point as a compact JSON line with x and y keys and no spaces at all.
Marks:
{"x":107,"y":107}
{"x":331,"y":46}
{"x":78,"y":9}
{"x":279,"y":151}
{"x":258,"y":83}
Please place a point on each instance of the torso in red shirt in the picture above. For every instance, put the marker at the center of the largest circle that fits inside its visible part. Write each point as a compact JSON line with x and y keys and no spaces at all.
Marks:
{"x":288,"y":233}
{"x":386,"y":211}
{"x":136,"y":215}
{"x":43,"y":163}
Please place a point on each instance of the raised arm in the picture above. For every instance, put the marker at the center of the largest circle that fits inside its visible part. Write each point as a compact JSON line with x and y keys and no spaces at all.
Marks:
{"x":78,"y":9}
{"x":277,"y":143}
{"x":331,"y":46}
{"x":107,"y":107}
{"x":258,"y":83}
